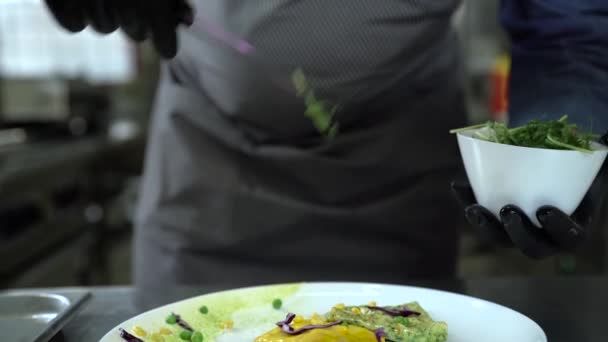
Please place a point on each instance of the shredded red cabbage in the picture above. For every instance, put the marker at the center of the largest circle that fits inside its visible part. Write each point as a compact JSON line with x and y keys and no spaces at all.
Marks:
{"x":288,"y":320}
{"x":395,"y":313}
{"x":288,"y":329}
{"x":182,"y":323}
{"x":128,"y":337}
{"x":379,"y":334}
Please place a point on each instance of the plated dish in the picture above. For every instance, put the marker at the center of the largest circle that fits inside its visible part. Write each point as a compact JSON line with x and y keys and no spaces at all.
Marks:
{"x":326,"y":312}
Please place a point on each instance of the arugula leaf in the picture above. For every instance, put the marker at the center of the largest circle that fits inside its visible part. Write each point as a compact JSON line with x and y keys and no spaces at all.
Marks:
{"x":557,"y":134}
{"x":320,"y":113}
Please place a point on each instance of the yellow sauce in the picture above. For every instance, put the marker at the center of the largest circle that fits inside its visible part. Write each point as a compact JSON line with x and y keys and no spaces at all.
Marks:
{"x":337,"y":333}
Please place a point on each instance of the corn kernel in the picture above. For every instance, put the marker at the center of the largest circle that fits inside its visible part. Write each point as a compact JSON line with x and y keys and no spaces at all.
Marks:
{"x":372,"y":303}
{"x":355,"y":310}
{"x":340,"y":306}
{"x":316,"y":319}
{"x":298,"y":319}
{"x":139,"y":331}
{"x":164,"y":331}
{"x":228,"y":325}
{"x":156,"y":337}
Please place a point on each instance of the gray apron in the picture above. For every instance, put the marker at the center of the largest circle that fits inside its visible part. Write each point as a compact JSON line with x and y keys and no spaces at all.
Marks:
{"x":239,"y":187}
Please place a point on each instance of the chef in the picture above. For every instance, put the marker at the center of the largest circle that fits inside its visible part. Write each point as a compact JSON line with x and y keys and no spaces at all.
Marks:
{"x":240,"y":186}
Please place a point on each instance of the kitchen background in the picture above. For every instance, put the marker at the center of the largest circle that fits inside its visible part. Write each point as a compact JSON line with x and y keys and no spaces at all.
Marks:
{"x":73,"y":119}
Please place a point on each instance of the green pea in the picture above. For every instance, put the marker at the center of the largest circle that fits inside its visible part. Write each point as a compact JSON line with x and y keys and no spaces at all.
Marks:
{"x":197,"y":337}
{"x":171,"y":319}
{"x":277,"y":303}
{"x":185,"y":335}
{"x":203,"y":309}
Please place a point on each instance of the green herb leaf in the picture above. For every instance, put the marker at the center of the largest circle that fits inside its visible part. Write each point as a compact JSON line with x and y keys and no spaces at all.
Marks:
{"x":557,"y":134}
{"x":300,"y":82}
{"x":319,"y":112}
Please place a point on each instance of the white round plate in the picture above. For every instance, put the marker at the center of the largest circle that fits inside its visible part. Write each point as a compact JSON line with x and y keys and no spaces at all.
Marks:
{"x":250,"y":309}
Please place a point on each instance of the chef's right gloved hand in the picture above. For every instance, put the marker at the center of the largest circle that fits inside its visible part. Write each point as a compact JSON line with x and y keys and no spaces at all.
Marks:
{"x":139,"y":19}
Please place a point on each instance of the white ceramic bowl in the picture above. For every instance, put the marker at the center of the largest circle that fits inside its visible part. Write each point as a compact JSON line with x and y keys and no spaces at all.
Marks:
{"x":528,"y":177}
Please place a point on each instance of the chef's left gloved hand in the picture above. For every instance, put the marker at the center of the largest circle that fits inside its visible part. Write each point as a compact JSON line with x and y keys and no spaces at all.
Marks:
{"x":139,"y":19}
{"x":559,"y":232}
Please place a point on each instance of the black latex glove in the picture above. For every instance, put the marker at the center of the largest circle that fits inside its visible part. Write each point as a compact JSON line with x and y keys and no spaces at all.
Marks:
{"x":559,"y":232}
{"x":139,"y":19}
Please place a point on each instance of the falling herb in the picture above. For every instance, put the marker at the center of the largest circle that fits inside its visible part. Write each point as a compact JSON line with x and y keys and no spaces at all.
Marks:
{"x":322,"y":116}
{"x":556,"y":135}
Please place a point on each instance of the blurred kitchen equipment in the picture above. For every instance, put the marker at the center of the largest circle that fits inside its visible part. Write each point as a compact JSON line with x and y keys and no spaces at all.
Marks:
{"x":12,"y":136}
{"x":33,"y":100}
{"x":499,"y":88}
{"x":483,"y":43}
{"x":78,"y":109}
{"x":55,"y":84}
{"x":36,"y":316}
